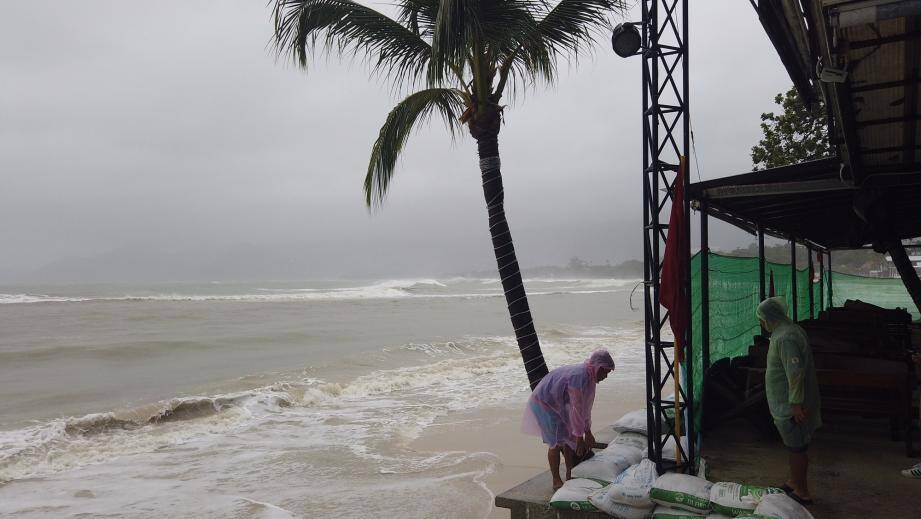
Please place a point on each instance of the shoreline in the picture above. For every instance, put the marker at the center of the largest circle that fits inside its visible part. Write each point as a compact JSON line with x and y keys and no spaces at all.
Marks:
{"x":495,"y":430}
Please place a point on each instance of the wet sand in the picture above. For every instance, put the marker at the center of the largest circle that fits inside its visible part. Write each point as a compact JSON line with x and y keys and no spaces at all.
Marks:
{"x":520,"y":457}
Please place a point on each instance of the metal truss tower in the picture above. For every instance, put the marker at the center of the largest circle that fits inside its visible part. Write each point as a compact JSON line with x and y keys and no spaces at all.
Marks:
{"x":666,"y":139}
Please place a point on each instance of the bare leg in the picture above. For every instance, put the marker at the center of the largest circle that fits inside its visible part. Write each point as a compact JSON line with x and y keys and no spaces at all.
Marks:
{"x":570,"y":458}
{"x":553,"y":456}
{"x":799,"y":466}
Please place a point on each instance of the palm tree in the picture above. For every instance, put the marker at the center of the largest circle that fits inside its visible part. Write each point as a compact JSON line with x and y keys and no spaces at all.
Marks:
{"x":466,"y":54}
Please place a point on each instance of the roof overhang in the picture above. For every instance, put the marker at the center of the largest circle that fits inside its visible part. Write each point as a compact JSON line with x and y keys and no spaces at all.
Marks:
{"x":812,"y":203}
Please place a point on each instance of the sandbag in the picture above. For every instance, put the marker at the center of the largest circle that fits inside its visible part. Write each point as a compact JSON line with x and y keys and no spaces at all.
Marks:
{"x":573,"y":495}
{"x":667,"y":512}
{"x":632,"y":486}
{"x":606,"y":465}
{"x":733,"y":499}
{"x":781,"y":506}
{"x":682,"y":491}
{"x":634,"y":421}
{"x":602,"y":501}
{"x":632,"y":439}
{"x":668,"y":450}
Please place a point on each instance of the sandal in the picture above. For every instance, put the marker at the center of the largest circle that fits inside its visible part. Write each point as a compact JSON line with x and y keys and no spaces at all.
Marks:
{"x":787,"y":489}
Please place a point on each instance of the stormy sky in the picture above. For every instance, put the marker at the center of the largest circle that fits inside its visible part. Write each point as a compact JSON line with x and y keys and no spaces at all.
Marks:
{"x":163,"y":141}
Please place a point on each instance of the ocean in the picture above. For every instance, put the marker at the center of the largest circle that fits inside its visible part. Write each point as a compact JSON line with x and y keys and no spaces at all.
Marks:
{"x":274,"y":399}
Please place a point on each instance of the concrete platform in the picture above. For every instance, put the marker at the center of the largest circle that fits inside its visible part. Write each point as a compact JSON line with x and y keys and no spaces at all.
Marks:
{"x":531,"y":499}
{"x":854,"y":469}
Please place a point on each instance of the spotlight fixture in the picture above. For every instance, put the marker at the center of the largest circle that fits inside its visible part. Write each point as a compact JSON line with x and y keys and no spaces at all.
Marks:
{"x":626,"y":40}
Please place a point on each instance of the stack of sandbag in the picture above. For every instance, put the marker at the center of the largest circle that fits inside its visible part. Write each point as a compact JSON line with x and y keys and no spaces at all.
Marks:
{"x":734,"y":500}
{"x":633,"y":422}
{"x":606,"y":465}
{"x":632,"y":439}
{"x":573,"y":495}
{"x":780,"y":506}
{"x":667,"y":512}
{"x":668,"y":450}
{"x":682,"y":491}
{"x":628,"y":496}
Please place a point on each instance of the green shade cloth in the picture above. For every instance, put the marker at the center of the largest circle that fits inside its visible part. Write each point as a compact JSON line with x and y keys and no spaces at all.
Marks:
{"x":734,"y":296}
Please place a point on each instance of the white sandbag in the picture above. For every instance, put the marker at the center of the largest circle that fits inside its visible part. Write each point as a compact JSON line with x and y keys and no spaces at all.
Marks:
{"x":634,"y":421}
{"x":635,"y":440}
{"x":668,"y":450}
{"x":602,"y":501}
{"x":714,"y":515}
{"x":573,"y":495}
{"x":781,"y":506}
{"x":682,"y":491}
{"x":733,"y":499}
{"x":667,"y":512}
{"x":606,"y":465}
{"x":632,"y":487}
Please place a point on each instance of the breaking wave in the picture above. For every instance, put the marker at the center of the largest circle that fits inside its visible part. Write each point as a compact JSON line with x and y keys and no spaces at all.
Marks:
{"x":397,"y":404}
{"x":387,"y":289}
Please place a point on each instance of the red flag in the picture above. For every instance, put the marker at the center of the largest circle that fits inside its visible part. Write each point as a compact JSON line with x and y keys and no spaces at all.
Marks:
{"x":771,"y":289}
{"x":672,"y":293}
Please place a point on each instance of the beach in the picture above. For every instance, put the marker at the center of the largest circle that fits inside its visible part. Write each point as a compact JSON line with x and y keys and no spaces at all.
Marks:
{"x":311,"y":399}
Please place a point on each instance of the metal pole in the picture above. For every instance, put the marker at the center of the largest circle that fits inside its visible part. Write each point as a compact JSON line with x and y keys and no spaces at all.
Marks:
{"x":831,"y":290}
{"x":822,"y":282}
{"x":811,"y":273}
{"x":689,"y":345}
{"x":793,"y":279}
{"x":762,"y":293}
{"x":704,"y":288}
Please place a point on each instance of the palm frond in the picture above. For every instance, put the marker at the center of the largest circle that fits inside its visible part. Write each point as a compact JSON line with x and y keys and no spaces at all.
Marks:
{"x":464,"y":27}
{"x":419,"y":16}
{"x":567,"y":29}
{"x":345,"y":26}
{"x":418,"y":107}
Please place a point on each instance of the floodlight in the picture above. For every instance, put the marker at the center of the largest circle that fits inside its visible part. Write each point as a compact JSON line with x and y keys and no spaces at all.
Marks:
{"x":626,"y":40}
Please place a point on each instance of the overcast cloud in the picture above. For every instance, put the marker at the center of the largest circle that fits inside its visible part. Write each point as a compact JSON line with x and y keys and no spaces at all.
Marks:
{"x":163,"y":141}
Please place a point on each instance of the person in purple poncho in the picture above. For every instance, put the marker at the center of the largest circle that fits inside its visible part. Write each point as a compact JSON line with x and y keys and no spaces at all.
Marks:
{"x":560,"y":411}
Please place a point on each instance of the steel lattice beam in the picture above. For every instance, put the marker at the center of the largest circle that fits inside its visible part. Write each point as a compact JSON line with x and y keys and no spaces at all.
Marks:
{"x":666,"y":138}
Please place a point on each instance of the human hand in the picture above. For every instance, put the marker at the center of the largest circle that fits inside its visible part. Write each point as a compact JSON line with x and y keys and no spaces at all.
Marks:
{"x":581,"y":447}
{"x":799,"y":413}
{"x":590,"y":439}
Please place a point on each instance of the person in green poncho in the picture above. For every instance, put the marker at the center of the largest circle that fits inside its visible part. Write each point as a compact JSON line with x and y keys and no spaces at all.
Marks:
{"x":792,"y":391}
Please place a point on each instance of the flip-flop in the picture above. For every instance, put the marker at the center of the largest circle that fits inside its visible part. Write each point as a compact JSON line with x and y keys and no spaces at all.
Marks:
{"x":787,"y":489}
{"x":800,"y":500}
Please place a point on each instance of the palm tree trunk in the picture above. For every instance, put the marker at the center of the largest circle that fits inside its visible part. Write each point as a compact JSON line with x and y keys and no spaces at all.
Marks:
{"x":509,"y":273}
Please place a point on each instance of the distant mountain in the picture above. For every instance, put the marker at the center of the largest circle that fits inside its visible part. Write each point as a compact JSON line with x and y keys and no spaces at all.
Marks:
{"x":577,"y":268}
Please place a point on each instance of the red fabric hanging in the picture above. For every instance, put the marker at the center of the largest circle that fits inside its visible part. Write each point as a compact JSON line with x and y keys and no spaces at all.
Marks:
{"x":672,"y":294}
{"x":771,"y":289}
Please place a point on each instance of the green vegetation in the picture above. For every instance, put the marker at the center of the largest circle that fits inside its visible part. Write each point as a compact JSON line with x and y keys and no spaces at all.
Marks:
{"x":796,"y":135}
{"x":858,"y":262}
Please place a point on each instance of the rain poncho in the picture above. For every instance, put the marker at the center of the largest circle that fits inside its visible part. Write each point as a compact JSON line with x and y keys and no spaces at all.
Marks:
{"x":560,"y":408}
{"x":790,"y":377}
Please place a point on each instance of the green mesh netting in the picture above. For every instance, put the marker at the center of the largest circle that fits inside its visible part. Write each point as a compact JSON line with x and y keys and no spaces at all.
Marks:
{"x":887,"y":293}
{"x":734,"y":296}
